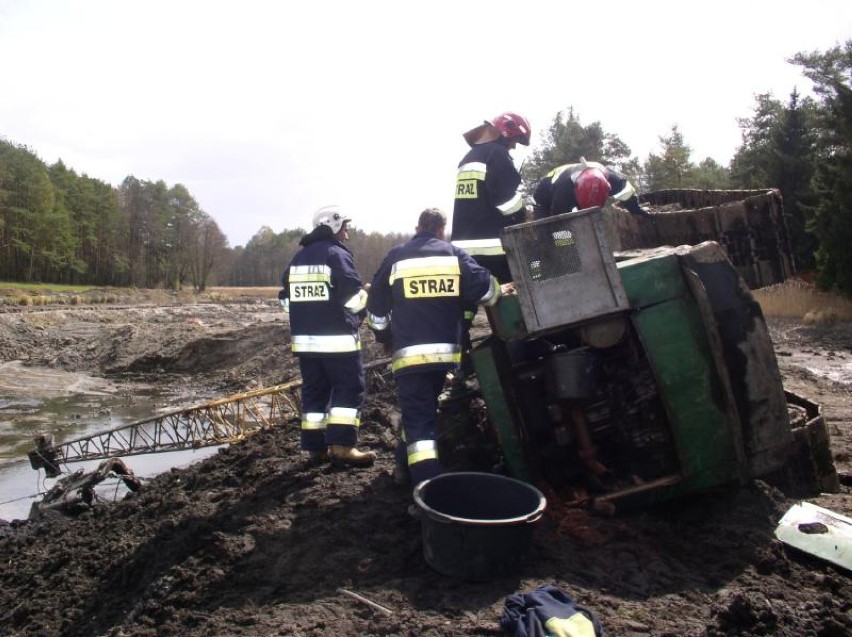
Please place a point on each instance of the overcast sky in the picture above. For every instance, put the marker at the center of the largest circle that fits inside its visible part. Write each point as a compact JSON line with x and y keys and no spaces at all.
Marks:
{"x":267,"y":111}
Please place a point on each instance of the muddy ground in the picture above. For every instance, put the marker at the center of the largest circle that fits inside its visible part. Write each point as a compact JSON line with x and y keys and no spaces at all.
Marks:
{"x":254,"y":541}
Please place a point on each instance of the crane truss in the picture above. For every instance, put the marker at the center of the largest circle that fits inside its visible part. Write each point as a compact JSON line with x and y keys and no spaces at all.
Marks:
{"x":222,"y":421}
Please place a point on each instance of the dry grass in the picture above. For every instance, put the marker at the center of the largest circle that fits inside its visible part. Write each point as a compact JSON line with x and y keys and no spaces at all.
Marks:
{"x":41,"y":296}
{"x":801,"y":300}
{"x":241,"y":293}
{"x":795,"y":299}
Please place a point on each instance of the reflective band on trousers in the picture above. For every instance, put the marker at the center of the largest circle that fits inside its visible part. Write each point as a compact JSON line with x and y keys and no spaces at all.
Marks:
{"x":344,"y":416}
{"x":421,"y":450}
{"x":312,"y":421}
{"x":482,"y":247}
{"x":331,"y":344}
{"x":426,"y":354}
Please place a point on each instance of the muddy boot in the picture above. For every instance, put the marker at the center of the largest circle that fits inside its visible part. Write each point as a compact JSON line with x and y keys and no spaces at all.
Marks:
{"x":350,"y":456}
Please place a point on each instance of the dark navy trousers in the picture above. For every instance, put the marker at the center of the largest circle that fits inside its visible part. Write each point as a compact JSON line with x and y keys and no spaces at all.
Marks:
{"x":332,"y":396}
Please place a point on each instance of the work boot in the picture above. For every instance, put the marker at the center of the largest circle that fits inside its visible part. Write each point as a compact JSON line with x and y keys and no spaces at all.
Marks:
{"x":342,"y":455}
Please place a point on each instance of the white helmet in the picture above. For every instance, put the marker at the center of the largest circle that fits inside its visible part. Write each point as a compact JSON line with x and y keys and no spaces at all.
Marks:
{"x":330,"y":216}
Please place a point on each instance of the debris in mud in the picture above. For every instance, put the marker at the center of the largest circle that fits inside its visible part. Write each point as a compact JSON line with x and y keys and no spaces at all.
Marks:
{"x":76,"y":493}
{"x":819,"y":532}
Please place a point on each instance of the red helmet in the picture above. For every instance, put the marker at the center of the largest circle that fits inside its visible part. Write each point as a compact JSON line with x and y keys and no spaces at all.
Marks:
{"x":592,"y":189}
{"x":513,"y":127}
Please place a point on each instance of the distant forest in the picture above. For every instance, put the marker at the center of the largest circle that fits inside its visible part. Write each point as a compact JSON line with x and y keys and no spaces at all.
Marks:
{"x":57,"y":226}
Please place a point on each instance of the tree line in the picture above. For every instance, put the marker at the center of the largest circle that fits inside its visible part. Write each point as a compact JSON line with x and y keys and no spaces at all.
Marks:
{"x":60,"y":227}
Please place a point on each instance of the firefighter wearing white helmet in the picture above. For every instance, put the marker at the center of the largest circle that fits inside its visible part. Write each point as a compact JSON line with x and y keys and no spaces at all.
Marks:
{"x":326,"y":302}
{"x":332,"y":217}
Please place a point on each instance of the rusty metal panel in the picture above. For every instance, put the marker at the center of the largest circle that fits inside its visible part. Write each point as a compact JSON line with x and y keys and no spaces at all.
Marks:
{"x":564,"y":270}
{"x":749,"y":224}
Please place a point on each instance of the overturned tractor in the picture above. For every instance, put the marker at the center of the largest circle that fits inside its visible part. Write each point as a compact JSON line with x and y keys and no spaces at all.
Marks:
{"x":623,"y":377}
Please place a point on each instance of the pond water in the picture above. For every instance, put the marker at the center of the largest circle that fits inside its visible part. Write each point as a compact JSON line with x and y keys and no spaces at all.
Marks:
{"x":35,"y":401}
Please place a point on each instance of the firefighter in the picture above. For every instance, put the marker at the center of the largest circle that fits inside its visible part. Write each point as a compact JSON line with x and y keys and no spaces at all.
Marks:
{"x":585,"y":184}
{"x":488,"y":196}
{"x":326,"y":301}
{"x":487,"y":199}
{"x":415,"y":310}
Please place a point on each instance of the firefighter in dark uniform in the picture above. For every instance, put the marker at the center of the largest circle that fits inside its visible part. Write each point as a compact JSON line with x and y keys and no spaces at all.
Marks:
{"x":415,"y":309}
{"x":487,"y":199}
{"x":326,"y":302}
{"x":581,"y":185}
{"x":488,"y":196}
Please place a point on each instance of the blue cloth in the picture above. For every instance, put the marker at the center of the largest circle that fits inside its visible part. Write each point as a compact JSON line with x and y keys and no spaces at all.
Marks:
{"x":547,"y":612}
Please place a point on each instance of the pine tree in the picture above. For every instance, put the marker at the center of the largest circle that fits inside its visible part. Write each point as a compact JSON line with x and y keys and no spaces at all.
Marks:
{"x":831,"y":73}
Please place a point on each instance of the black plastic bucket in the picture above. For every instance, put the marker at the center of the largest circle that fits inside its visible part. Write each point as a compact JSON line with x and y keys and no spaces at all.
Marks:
{"x":477,"y":526}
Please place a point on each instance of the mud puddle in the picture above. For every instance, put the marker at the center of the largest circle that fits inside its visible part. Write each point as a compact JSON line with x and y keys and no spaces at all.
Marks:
{"x":834,"y":367}
{"x":35,"y":400}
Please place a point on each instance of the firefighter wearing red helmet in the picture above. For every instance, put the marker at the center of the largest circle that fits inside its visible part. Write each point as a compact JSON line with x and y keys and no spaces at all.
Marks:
{"x":513,"y":127}
{"x":584,"y":184}
{"x":487,"y":197}
{"x":592,"y":188}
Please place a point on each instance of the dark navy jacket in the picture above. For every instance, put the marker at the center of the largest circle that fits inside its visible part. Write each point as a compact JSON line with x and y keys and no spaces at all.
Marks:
{"x":487,"y":199}
{"x":324,"y":294}
{"x":416,"y":301}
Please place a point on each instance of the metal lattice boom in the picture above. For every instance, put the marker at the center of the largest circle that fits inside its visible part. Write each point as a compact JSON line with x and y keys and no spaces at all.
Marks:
{"x":222,"y":421}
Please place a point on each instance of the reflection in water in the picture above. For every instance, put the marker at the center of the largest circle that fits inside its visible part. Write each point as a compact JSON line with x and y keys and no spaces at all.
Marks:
{"x":70,"y":405}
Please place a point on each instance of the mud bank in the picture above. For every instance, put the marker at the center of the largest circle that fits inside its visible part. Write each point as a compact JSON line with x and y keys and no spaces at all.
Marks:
{"x":253,"y":541}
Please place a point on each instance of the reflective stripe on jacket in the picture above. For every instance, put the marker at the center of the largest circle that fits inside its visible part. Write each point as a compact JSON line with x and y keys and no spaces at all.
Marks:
{"x":417,"y":295}
{"x":324,"y":296}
